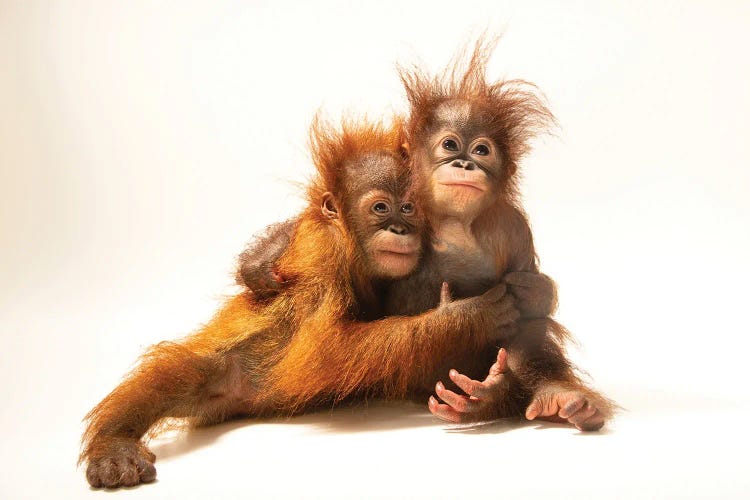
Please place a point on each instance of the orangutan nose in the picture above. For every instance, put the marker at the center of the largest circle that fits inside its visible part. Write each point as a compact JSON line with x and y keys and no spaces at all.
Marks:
{"x":397,"y":229}
{"x":464,"y":164}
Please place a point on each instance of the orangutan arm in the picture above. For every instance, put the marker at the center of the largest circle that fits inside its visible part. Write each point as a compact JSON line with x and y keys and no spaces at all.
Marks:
{"x":391,"y":355}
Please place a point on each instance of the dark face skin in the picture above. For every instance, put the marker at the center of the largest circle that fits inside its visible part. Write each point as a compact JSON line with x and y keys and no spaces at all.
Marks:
{"x":377,"y":211}
{"x":461,"y":163}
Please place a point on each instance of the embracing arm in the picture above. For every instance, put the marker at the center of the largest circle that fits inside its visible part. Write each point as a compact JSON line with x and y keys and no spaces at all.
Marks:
{"x":391,"y":355}
{"x":535,"y":293}
{"x":403,"y":352}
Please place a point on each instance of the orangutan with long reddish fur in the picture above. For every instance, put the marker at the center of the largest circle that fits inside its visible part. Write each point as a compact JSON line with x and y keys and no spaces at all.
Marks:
{"x":308,"y":345}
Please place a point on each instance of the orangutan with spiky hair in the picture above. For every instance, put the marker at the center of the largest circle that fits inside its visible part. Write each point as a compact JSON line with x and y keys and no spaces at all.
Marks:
{"x":465,"y":138}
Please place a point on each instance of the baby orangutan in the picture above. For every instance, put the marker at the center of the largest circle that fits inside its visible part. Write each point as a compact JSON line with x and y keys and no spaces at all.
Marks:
{"x":306,"y":346}
{"x":466,"y":137}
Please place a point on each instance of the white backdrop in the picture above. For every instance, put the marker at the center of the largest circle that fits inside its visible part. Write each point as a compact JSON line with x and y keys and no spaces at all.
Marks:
{"x":143,"y":143}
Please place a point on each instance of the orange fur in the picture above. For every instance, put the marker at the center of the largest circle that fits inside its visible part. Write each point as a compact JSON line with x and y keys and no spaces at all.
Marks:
{"x":302,"y":348}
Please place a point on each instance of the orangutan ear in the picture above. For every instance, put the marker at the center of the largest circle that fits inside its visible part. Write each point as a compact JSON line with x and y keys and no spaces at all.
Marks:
{"x":329,"y":206}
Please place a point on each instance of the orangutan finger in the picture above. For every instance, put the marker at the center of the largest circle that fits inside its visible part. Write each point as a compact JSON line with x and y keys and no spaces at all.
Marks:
{"x":500,"y":365}
{"x":593,"y":423}
{"x":443,"y":411}
{"x":496,"y":293}
{"x":469,"y":386}
{"x":544,"y":405}
{"x":572,"y":407}
{"x":445,"y":294}
{"x":582,"y":415}
{"x":460,"y":403}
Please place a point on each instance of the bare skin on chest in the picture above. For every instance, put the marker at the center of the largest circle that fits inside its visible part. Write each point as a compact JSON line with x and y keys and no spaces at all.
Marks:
{"x":466,"y":266}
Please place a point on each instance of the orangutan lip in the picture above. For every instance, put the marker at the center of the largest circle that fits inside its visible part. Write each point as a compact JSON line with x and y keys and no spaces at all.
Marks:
{"x":398,"y":252}
{"x":464,"y":184}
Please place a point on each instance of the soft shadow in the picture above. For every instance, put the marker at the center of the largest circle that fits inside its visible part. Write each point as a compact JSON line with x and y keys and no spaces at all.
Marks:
{"x":356,"y":417}
{"x":495,"y":427}
{"x":543,"y":424}
{"x":509,"y":424}
{"x":604,"y":431}
{"x":184,"y":441}
{"x":351,"y":418}
{"x":368,"y":417}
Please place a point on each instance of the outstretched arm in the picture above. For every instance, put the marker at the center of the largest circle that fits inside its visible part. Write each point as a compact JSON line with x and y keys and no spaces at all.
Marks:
{"x":189,"y":378}
{"x":257,"y":264}
{"x":165,"y":384}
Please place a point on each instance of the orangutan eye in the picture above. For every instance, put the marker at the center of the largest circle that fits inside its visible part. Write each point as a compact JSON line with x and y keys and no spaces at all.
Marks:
{"x":381,"y":208}
{"x":450,"y":145}
{"x":407,"y":208}
{"x":481,"y":150}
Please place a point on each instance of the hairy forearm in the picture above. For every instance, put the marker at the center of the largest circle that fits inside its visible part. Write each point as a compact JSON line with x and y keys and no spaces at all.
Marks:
{"x":389,"y":356}
{"x":164,"y":384}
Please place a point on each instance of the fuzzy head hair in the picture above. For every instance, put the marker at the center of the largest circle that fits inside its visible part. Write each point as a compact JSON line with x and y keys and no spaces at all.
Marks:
{"x":512,"y":111}
{"x":345,"y":156}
